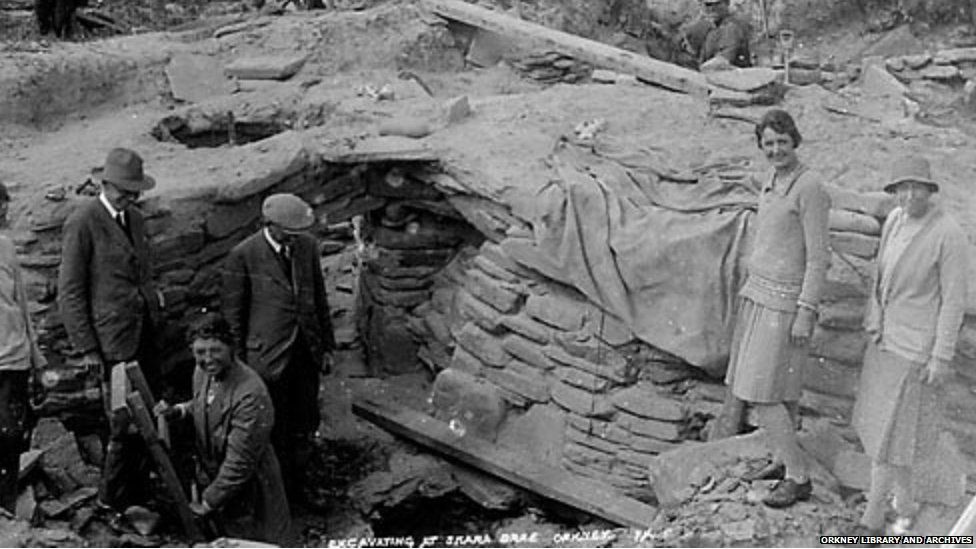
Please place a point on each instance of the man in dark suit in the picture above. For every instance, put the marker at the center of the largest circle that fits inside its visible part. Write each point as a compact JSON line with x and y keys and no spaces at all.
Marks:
{"x":275,"y":302}
{"x":108,"y":304}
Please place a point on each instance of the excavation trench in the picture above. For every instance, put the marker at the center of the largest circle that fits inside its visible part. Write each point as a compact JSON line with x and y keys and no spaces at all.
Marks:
{"x":430,"y":310}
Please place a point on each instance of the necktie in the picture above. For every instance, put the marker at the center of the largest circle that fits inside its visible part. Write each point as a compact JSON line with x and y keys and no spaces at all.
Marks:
{"x":284,"y":254}
{"x":120,"y":219}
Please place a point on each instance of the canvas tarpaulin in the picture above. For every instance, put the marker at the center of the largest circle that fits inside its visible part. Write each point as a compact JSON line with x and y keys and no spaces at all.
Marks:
{"x":660,"y":248}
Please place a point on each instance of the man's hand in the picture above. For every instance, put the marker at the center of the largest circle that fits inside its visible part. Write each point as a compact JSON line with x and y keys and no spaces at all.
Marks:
{"x":93,"y":363}
{"x":328,"y":362}
{"x":168,"y":411}
{"x":936,"y":371}
{"x":802,"y":328}
{"x":717,"y":63}
{"x":200,"y":509}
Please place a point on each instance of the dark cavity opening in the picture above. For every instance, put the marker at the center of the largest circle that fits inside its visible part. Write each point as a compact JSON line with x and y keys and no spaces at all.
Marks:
{"x":224,"y":131}
{"x":452,"y":514}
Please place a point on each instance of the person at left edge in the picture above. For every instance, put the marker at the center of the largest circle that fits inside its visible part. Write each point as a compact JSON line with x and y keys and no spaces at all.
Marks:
{"x":108,"y":303}
{"x":19,"y":354}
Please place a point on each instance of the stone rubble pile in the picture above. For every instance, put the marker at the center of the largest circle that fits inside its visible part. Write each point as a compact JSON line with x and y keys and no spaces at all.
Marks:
{"x":956,"y":64}
{"x":552,"y":67}
{"x":58,"y":482}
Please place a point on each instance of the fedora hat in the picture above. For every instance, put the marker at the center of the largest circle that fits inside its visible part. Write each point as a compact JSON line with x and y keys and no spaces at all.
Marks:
{"x":910,"y":168}
{"x":123,"y":168}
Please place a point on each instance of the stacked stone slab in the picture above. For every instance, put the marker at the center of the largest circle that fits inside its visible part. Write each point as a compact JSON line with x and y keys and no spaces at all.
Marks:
{"x":412,"y":239}
{"x":956,"y":64}
{"x":539,"y":344}
{"x":552,"y":67}
{"x":836,"y":351}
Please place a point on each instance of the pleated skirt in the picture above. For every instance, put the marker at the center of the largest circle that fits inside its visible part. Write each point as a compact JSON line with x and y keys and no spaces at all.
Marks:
{"x":764,"y":365}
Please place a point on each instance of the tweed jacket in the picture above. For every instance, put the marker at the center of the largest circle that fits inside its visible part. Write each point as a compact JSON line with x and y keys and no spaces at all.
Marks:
{"x":105,"y":283}
{"x":919,"y":314}
{"x":233,"y":437}
{"x":267,"y":311}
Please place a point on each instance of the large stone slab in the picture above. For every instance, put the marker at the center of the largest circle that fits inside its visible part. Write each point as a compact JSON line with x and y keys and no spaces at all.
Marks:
{"x":845,"y":220}
{"x":483,"y":345}
{"x":580,"y":402}
{"x":502,"y":296}
{"x":475,"y":406}
{"x":955,"y":55}
{"x":744,"y":80}
{"x":643,"y":401}
{"x":268,"y":163}
{"x":528,"y":351}
{"x":876,"y":81}
{"x":195,"y":78}
{"x":674,"y":473}
{"x":524,"y":382}
{"x":841,"y":345}
{"x":556,"y":311}
{"x":831,"y":377}
{"x":877,"y":204}
{"x":539,"y":431}
{"x":266,"y":67}
{"x":528,"y":328}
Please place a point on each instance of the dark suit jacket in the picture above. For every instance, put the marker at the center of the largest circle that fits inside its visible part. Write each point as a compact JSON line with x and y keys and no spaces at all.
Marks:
{"x":233,"y":435}
{"x":266,"y":312}
{"x":104,"y":285}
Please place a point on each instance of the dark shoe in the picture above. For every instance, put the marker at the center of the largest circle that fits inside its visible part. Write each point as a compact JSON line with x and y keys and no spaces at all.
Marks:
{"x":113,"y":519}
{"x":787,"y":492}
{"x":768,"y":471}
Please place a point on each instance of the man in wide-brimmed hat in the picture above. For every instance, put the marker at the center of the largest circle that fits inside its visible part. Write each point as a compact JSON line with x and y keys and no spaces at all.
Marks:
{"x":915,"y":310}
{"x":108,"y":304}
{"x":274,"y":299}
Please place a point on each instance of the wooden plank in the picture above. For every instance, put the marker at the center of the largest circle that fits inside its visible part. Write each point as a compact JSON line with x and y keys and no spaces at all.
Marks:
{"x":143,"y":421}
{"x":387,"y":148}
{"x":139,"y":384}
{"x":119,"y":387}
{"x":594,"y":497}
{"x":599,"y":54}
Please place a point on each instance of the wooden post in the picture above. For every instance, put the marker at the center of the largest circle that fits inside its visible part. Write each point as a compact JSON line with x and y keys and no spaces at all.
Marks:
{"x":597,"y":53}
{"x":143,"y":421}
{"x":139,"y":384}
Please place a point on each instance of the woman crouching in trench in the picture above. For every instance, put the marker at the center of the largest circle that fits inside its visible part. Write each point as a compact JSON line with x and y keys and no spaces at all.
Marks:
{"x":232,"y":417}
{"x":778,"y":303}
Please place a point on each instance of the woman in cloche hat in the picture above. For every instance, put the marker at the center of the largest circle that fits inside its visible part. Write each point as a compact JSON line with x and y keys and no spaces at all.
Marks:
{"x":914,"y":314}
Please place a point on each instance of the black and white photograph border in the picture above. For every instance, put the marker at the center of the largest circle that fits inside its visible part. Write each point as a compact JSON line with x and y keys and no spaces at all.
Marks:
{"x":494,"y":273}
